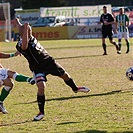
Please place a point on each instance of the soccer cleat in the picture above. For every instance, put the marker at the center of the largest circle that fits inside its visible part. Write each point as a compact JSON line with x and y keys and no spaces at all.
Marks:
{"x":2,"y":109}
{"x":39,"y":117}
{"x":31,"y":81}
{"x":104,"y":53}
{"x":83,"y":89}
{"x":118,"y":52}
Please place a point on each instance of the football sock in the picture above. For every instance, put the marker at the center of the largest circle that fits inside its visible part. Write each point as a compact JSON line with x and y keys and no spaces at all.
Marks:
{"x":119,"y":46}
{"x":104,"y":47}
{"x":41,"y":103}
{"x":128,"y":44}
{"x":4,"y":93}
{"x":21,"y":78}
{"x":72,"y":84}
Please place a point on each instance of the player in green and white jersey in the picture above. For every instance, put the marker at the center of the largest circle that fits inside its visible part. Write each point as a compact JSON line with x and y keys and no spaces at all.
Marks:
{"x":122,"y":22}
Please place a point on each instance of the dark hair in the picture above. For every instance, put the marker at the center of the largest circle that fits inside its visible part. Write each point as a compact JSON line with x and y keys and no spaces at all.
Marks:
{"x":121,"y":8}
{"x":104,"y":6}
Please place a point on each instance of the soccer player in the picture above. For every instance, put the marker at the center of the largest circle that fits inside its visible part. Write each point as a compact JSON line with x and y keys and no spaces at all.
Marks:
{"x":122,"y":23}
{"x":5,"y":80}
{"x":41,"y":64}
{"x":107,"y":20}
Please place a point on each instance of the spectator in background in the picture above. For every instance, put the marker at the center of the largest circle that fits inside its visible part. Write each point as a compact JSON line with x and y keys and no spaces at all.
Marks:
{"x":122,"y":23}
{"x":107,"y":20}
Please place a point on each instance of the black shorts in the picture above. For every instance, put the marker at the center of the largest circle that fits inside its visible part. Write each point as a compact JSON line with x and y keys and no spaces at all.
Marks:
{"x":107,"y":33}
{"x":51,"y":67}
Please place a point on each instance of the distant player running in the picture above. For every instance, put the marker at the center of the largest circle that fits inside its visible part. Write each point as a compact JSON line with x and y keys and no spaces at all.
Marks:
{"x":122,"y":23}
{"x":41,"y":64}
{"x":107,"y":20}
{"x":5,"y":80}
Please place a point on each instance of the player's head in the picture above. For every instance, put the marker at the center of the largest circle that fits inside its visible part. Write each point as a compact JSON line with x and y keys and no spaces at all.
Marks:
{"x":121,"y":10}
{"x":105,"y":9}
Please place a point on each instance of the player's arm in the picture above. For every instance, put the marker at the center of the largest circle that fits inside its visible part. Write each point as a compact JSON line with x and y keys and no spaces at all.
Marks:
{"x":6,"y":55}
{"x":127,"y":21}
{"x":16,"y":22}
{"x":25,"y":36}
{"x":101,"y":21}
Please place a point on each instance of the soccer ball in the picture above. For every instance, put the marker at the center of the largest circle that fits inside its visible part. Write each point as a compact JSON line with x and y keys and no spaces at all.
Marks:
{"x":129,"y":73}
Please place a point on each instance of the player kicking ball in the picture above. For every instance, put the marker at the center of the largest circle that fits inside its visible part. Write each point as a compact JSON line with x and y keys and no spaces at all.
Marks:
{"x":41,"y":64}
{"x":5,"y":80}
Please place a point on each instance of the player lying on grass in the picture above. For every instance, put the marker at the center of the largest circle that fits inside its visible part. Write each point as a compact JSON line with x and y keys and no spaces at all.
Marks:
{"x":41,"y":64}
{"x":5,"y":80}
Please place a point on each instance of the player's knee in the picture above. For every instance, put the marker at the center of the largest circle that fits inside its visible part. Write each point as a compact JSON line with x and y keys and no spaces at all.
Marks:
{"x":41,"y":87}
{"x":12,"y":74}
{"x":9,"y":83}
{"x":40,"y":77}
{"x":7,"y":88}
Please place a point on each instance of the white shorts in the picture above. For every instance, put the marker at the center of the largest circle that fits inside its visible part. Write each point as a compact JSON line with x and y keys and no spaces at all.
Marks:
{"x":3,"y":75}
{"x":120,"y":35}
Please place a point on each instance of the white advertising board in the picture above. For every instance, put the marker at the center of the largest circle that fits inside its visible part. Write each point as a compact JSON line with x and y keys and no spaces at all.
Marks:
{"x":74,"y":12}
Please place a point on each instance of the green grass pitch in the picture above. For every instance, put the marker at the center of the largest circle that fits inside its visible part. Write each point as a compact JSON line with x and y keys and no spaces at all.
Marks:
{"x":107,"y":108}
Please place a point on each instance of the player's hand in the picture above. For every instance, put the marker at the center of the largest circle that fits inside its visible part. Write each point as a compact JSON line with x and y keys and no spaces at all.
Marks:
{"x":17,"y":53}
{"x":16,"y":22}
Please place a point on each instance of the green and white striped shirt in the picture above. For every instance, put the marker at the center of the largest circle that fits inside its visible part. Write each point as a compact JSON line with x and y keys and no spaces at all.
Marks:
{"x":121,"y":20}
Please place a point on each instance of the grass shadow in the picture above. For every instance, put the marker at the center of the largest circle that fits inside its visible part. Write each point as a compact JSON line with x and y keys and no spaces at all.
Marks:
{"x":74,"y":57}
{"x":90,"y":95}
{"x":72,"y":47}
{"x":82,"y":96}
{"x":16,"y":123}
{"x":65,"y":123}
{"x":100,"y":131}
{"x":91,"y":131}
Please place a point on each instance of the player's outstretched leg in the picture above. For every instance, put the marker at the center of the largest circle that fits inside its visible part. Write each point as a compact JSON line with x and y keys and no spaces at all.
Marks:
{"x":70,"y":82}
{"x":20,"y":77}
{"x":75,"y":88}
